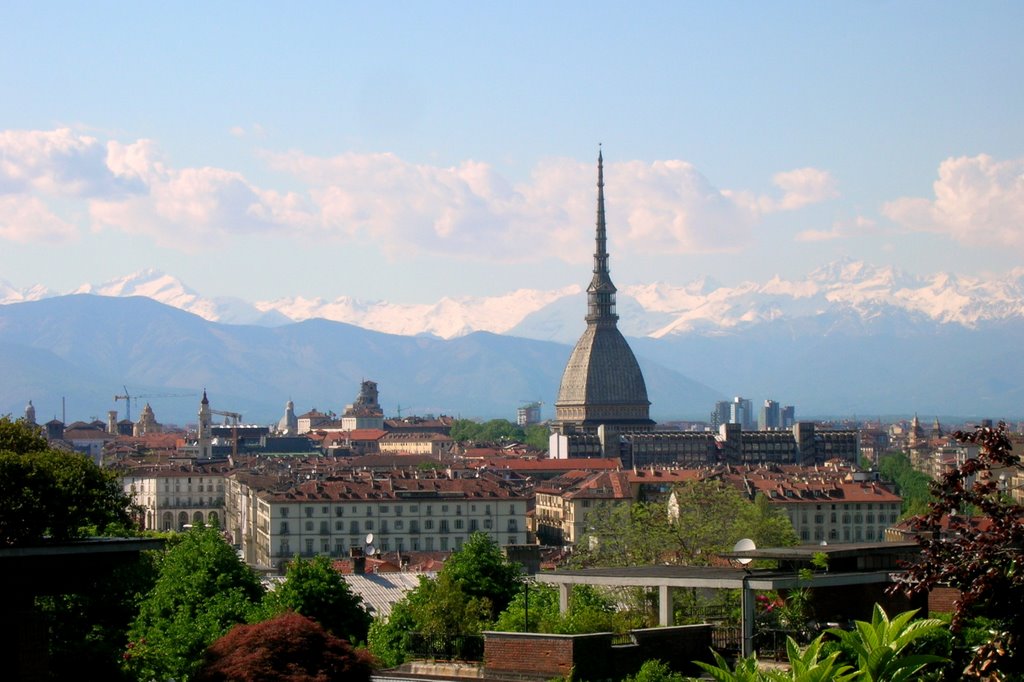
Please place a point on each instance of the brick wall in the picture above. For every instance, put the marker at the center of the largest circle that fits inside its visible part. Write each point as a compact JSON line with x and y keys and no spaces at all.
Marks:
{"x":592,"y":656}
{"x":940,"y":599}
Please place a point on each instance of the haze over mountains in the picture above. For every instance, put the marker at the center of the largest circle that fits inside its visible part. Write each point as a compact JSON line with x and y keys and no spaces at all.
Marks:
{"x":849,"y":339}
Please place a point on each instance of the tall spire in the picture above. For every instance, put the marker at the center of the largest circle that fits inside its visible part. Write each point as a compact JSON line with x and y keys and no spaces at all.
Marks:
{"x":601,"y":292}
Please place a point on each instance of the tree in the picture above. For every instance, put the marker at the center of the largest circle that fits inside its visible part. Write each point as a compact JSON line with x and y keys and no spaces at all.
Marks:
{"x":912,"y":485}
{"x":702,"y":519}
{"x":475,"y":584}
{"x":483,"y":572}
{"x":537,"y":610}
{"x":202,"y":589}
{"x":314,"y":589}
{"x":55,"y":495}
{"x":287,"y":648}
{"x":982,"y":558}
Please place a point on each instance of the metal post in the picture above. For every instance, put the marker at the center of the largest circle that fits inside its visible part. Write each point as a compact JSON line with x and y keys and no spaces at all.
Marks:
{"x":747,"y":619}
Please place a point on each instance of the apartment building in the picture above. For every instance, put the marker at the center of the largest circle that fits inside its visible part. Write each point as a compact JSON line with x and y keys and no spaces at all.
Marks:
{"x":832,"y":504}
{"x":169,"y":497}
{"x":400,"y":511}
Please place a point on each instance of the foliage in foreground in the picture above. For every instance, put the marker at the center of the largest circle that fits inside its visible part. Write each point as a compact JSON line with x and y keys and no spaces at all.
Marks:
{"x":881,"y":648}
{"x":474,"y":586}
{"x":52,"y":494}
{"x":983,"y":560}
{"x":288,"y":648}
{"x":312,"y":588}
{"x":202,"y":589}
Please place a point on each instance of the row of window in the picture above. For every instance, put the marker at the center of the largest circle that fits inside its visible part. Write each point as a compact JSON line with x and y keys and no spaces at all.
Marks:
{"x":382,"y":509}
{"x":857,"y":518}
{"x":310,"y":546}
{"x":859,"y":534}
{"x":399,"y":526}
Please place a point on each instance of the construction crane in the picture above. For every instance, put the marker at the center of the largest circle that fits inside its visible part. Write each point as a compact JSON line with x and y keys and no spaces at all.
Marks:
{"x":128,"y":398}
{"x":235,"y":417}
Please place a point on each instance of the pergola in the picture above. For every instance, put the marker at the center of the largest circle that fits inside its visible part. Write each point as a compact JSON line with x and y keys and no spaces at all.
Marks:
{"x":860,"y":564}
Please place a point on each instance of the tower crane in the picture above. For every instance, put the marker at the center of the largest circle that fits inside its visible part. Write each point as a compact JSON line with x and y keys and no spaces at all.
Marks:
{"x":128,"y":398}
{"x":235,"y":417}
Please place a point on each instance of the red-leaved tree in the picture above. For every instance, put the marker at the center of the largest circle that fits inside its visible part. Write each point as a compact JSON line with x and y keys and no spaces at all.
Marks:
{"x":972,"y":538}
{"x":288,"y":648}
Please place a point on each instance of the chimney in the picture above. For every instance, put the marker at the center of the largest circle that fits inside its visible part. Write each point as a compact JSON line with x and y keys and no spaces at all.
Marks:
{"x":358,"y":560}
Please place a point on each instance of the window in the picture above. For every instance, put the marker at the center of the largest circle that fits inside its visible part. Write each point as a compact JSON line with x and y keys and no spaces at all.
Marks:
{"x":369,"y":510}
{"x":487,"y":524}
{"x":323,"y":528}
{"x":444,"y":508}
{"x":284,"y":528}
{"x":512,"y":540}
{"x":511,"y":509}
{"x":369,"y":525}
{"x":458,"y":544}
{"x":353,"y":527}
{"x":430,"y":544}
{"x":398,"y":510}
{"x":323,"y":510}
{"x":474,"y":526}
{"x":339,"y":526}
{"x":413,"y":508}
{"x":339,"y":511}
{"x":285,"y":549}
{"x":309,"y":525}
{"x":284,"y":512}
{"x":415,"y":542}
{"x":428,"y":524}
{"x":444,"y":544}
{"x":309,"y":511}
{"x":399,"y":525}
{"x":309,"y":546}
{"x":383,"y":509}
{"x":458,"y":524}
{"x":832,"y":517}
{"x":444,"y":526}
{"x":428,"y":510}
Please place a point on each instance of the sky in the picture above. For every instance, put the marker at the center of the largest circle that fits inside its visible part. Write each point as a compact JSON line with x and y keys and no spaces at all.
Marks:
{"x":413,"y":151}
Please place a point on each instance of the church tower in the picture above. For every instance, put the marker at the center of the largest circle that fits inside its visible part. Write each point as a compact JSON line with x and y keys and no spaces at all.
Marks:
{"x":205,"y":440}
{"x":602,"y":385}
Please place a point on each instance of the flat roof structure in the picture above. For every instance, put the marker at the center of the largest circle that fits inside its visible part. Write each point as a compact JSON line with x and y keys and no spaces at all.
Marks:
{"x":861,"y":564}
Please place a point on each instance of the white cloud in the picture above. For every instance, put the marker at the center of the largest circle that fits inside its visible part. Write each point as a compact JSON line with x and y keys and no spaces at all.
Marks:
{"x":800,"y":187}
{"x":978,"y":200}
{"x":26,"y":219}
{"x":402,"y":207}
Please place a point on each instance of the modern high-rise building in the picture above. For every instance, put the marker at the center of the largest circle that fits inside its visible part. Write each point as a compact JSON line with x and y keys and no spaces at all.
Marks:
{"x":770,"y":416}
{"x":602,"y":385}
{"x":741,"y":411}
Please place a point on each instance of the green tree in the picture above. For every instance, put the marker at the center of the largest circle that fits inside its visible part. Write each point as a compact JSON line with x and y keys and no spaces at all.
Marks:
{"x":536,"y":436}
{"x":390,"y":639}
{"x":912,"y":485}
{"x":492,"y":431}
{"x":55,"y":495}
{"x":314,"y":589}
{"x":703,"y":518}
{"x":202,"y":589}
{"x":482,"y":572}
{"x":589,"y":611}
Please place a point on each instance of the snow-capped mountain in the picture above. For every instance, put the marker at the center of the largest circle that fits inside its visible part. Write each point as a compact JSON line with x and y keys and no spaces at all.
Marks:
{"x":852,"y":291}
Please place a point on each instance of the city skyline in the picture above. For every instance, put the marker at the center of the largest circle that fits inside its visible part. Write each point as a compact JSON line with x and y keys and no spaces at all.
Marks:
{"x":412,"y":152}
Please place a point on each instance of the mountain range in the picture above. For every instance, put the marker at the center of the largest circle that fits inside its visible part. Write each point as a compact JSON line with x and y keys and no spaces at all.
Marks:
{"x":848,"y":339}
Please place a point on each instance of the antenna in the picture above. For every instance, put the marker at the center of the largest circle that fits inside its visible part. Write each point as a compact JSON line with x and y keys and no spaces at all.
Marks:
{"x":369,"y":549}
{"x":744,"y":545}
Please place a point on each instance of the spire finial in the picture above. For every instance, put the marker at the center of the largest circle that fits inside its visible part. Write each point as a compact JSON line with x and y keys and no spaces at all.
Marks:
{"x":601,"y":292}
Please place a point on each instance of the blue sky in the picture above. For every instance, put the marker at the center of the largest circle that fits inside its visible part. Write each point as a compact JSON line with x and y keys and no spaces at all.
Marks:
{"x":410,"y":151}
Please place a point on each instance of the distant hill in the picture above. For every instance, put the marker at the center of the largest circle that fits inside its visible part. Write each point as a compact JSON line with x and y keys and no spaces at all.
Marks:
{"x":86,"y":347}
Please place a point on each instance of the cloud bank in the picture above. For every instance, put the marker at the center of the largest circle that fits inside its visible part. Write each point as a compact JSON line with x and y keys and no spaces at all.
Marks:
{"x":978,"y":200}
{"x":380,"y":199}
